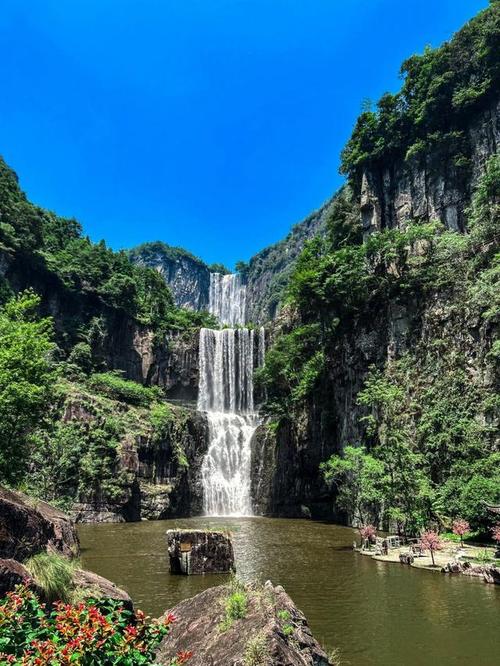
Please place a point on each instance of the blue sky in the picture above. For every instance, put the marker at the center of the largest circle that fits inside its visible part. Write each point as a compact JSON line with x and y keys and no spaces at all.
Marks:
{"x":210,"y":124}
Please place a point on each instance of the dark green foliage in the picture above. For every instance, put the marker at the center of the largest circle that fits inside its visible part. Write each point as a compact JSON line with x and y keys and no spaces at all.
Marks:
{"x":442,"y":90}
{"x":26,"y":381}
{"x":149,"y":254}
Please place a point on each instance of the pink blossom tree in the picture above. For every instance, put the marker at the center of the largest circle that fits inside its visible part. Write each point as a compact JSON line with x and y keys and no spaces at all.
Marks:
{"x":368,"y":533}
{"x":495,"y":532}
{"x":430,"y":541}
{"x":460,"y":528}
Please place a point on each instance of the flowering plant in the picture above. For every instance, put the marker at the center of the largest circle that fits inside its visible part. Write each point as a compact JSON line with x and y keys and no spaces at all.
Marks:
{"x":431,"y":541}
{"x":368,"y":532}
{"x":461,"y":527}
{"x":91,"y":632}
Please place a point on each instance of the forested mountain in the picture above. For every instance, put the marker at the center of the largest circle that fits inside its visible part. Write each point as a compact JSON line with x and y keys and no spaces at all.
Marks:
{"x":381,"y":313}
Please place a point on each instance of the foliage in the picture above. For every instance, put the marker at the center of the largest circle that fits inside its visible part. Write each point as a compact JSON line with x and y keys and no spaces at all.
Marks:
{"x":368,"y":532}
{"x":116,"y":387}
{"x":53,"y":574}
{"x":442,"y":89}
{"x":256,"y":651}
{"x":88,"y":633}
{"x":359,"y":481}
{"x":495,"y":532}
{"x":26,"y":381}
{"x":235,"y":605}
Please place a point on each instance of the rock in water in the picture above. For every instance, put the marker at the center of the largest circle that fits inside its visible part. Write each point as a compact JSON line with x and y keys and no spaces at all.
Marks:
{"x":270,"y":630}
{"x":29,"y":526}
{"x":199,"y":552}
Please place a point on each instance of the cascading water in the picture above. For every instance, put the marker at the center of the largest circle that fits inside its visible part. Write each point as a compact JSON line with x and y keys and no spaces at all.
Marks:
{"x":226,"y":395}
{"x":227,"y":299}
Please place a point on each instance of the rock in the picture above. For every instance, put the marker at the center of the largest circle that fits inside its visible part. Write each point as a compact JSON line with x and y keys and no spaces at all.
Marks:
{"x":199,"y":552}
{"x":406,"y":558}
{"x":99,"y":587}
{"x":29,"y":526}
{"x":12,"y":573}
{"x":284,"y":639}
{"x":492,"y":575}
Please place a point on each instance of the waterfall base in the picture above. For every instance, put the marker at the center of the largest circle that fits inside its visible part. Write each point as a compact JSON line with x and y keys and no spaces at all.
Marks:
{"x":226,"y":467}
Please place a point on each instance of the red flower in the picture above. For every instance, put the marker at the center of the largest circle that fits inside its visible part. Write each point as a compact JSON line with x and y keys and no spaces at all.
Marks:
{"x":169,"y":619}
{"x":183,"y":657}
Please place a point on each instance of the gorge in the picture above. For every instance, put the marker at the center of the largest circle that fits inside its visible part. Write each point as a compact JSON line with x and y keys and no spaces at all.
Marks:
{"x":344,"y":379}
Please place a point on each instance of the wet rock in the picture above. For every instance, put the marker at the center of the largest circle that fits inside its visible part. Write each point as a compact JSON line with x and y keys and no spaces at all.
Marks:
{"x":272,"y":626}
{"x":29,"y":526}
{"x":199,"y":552}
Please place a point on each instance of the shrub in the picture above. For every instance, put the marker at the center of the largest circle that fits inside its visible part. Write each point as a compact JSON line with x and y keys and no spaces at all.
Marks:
{"x":256,"y":651}
{"x":235,"y":605}
{"x":88,"y":633}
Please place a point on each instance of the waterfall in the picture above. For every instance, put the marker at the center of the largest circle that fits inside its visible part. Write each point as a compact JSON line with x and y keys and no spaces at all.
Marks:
{"x":227,"y":299}
{"x":227,"y":362}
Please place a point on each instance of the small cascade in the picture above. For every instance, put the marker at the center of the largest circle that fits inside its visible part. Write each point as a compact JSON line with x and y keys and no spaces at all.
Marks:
{"x":228,"y":358}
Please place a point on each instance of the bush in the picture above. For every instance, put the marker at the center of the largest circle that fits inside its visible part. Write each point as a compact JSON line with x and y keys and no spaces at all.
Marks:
{"x":88,"y":633}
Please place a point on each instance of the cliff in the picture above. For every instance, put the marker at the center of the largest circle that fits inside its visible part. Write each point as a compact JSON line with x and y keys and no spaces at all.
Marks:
{"x":187,"y":276}
{"x":389,"y":343}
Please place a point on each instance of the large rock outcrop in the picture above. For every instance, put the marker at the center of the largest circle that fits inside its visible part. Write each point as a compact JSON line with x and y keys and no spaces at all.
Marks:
{"x":29,"y":526}
{"x":160,"y":479}
{"x":430,"y":187}
{"x":199,"y":552}
{"x":187,"y":276}
{"x":273,"y":632}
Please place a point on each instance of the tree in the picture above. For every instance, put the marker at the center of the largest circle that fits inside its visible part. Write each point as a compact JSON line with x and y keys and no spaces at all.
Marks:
{"x":368,"y":533}
{"x":460,"y":527}
{"x":430,"y":541}
{"x":26,"y":380}
{"x":359,"y":479}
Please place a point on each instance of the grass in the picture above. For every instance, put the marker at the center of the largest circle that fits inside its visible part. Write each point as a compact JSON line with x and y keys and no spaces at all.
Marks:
{"x":256,"y":652}
{"x":235,"y":605}
{"x":53,"y":574}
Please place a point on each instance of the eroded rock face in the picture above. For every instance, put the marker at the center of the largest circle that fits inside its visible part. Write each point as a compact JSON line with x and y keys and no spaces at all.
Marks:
{"x":29,"y":526}
{"x":273,"y":627}
{"x":431,"y":187}
{"x":199,"y":552}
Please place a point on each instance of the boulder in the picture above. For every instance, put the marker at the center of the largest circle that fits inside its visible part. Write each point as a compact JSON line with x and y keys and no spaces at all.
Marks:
{"x":199,"y":552}
{"x":12,"y":573}
{"x":406,"y":558}
{"x":492,"y":575}
{"x":273,"y":632}
{"x":98,"y":587}
{"x":29,"y":526}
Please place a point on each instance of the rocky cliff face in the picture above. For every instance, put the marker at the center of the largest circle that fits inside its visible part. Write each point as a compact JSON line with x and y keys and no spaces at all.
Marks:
{"x":432,"y":186}
{"x":158,"y":478}
{"x":186,"y":275}
{"x":269,"y":270}
{"x":286,"y":480}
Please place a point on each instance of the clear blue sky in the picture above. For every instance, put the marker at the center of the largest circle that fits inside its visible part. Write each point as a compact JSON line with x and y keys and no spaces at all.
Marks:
{"x":210,"y":124}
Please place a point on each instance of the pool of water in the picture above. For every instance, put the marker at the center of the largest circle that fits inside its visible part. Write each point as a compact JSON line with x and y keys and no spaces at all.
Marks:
{"x":378,"y":614}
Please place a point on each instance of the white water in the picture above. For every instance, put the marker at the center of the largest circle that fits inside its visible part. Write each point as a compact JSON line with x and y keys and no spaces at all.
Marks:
{"x":226,"y":395}
{"x":227,"y":299}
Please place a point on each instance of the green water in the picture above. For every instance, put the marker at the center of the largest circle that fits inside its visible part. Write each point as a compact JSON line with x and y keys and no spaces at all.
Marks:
{"x":378,"y":614}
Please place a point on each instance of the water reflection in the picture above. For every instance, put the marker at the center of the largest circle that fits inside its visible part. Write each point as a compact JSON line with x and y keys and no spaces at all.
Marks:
{"x":378,"y":614}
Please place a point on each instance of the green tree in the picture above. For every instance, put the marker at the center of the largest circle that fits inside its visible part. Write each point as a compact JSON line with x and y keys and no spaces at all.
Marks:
{"x":359,"y":479}
{"x":26,"y":380}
